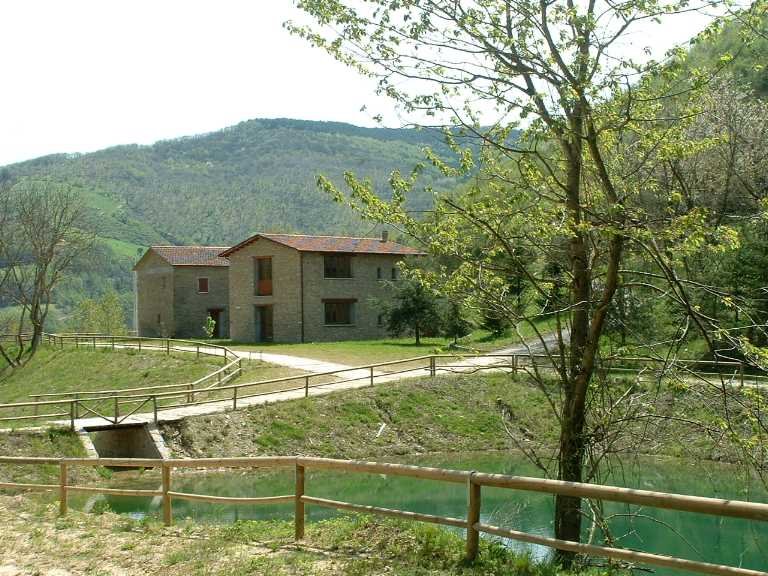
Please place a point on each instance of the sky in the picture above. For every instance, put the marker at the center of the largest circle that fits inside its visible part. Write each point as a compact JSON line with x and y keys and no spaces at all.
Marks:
{"x":81,"y":75}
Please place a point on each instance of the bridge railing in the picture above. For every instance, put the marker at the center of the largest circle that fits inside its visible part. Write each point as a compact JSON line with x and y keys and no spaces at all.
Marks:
{"x":471,"y":521}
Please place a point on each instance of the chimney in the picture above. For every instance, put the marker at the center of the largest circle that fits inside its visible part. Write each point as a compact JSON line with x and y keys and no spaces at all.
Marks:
{"x":384,"y":235}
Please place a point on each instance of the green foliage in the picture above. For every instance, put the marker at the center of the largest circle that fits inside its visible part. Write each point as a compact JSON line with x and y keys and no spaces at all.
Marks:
{"x":414,"y":308}
{"x":105,"y":315}
{"x":210,"y":327}
{"x":455,"y":322}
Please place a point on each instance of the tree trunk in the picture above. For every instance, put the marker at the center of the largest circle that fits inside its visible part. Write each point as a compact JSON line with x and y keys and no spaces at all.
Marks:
{"x":571,"y":458}
{"x":417,"y":330}
{"x":568,"y":508}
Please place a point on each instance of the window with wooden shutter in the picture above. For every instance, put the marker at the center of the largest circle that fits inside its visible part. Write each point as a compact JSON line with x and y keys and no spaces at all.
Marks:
{"x":263,"y":276}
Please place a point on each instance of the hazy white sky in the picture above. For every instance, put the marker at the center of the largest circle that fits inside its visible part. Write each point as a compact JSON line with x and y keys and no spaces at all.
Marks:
{"x":80,"y":75}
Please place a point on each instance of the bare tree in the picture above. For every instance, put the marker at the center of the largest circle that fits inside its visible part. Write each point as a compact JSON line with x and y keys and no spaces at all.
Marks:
{"x":45,"y":230}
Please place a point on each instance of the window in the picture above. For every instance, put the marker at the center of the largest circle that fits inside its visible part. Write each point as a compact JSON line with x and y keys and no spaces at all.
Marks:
{"x":378,"y":273}
{"x":339,"y":312}
{"x":338,"y":265}
{"x":202,"y":285}
{"x":380,"y":320}
{"x":159,"y":319}
{"x":394,"y":273}
{"x":263,"y":275}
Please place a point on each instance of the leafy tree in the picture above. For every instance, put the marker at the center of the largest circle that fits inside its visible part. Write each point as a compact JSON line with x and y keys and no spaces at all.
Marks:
{"x":414,"y":309}
{"x":455,"y":323}
{"x":584,"y":186}
{"x":105,"y":315}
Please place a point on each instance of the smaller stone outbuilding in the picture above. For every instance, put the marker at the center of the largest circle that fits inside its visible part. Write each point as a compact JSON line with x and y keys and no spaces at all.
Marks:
{"x":178,"y":287}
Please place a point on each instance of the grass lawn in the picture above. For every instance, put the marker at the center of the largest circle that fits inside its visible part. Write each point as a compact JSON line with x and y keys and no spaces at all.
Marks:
{"x":361,"y":352}
{"x":36,"y":541}
{"x":53,"y":371}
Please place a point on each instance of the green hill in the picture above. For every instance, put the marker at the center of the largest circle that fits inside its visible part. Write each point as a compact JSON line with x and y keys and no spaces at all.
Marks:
{"x":221,"y":187}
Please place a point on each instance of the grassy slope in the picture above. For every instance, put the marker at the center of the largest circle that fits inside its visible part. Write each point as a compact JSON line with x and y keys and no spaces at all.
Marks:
{"x":55,"y":443}
{"x":445,"y":414}
{"x":54,"y":370}
{"x":62,"y":370}
{"x":346,"y":546}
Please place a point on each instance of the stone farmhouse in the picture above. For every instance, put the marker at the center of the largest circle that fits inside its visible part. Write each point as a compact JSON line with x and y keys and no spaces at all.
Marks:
{"x":177,"y":287}
{"x":269,"y":288}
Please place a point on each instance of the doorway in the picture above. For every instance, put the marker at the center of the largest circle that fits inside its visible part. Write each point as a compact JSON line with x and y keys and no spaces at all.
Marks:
{"x":263,"y":324}
{"x":217,"y":315}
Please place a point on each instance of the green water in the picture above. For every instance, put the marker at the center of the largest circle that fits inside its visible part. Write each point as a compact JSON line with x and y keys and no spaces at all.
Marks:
{"x":687,"y":535}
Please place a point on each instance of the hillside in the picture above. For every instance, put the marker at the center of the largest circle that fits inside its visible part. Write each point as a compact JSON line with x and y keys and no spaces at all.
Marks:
{"x":220,"y":187}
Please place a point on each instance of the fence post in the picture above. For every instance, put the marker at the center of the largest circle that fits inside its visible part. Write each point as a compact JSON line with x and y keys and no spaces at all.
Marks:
{"x":113,"y":342}
{"x":117,"y":409}
{"x":306,"y":386}
{"x":514,"y":363}
{"x":432,"y":366}
{"x":63,"y":504}
{"x":77,"y":342}
{"x":139,"y":344}
{"x":371,"y":375}
{"x":72,"y":405}
{"x":77,"y":412}
{"x":167,"y":510}
{"x":198,"y":351}
{"x":154,"y":408}
{"x":473,"y":517}
{"x":167,"y":346}
{"x":298,"y":514}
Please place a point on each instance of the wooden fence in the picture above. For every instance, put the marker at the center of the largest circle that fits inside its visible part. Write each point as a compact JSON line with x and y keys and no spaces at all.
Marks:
{"x":471,"y":522}
{"x":115,"y":406}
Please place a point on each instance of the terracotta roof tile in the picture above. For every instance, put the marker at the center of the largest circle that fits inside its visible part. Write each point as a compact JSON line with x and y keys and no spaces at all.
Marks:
{"x":346,"y":244}
{"x":191,"y":255}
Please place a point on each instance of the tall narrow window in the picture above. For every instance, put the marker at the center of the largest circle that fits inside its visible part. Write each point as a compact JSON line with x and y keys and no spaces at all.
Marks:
{"x":263,"y":276}
{"x":394,"y":273}
{"x":338,"y":265}
{"x":202,"y":285}
{"x":378,"y":273}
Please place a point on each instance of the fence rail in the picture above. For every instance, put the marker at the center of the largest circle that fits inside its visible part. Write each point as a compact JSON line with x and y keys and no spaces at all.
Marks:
{"x":115,"y":406}
{"x":474,"y":482}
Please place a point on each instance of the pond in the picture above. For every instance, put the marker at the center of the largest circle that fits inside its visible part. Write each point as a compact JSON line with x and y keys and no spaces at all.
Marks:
{"x":687,"y":535}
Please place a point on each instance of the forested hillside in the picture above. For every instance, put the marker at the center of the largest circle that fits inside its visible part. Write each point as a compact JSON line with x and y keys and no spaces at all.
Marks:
{"x":221,"y":187}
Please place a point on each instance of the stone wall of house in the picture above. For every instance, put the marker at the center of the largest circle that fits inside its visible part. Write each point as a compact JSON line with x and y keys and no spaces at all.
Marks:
{"x":285,"y":298}
{"x":154,"y":296}
{"x":365,"y":287}
{"x":191,"y":307}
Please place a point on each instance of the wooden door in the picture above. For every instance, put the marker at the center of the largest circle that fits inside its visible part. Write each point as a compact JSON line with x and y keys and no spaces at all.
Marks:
{"x":263,"y":324}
